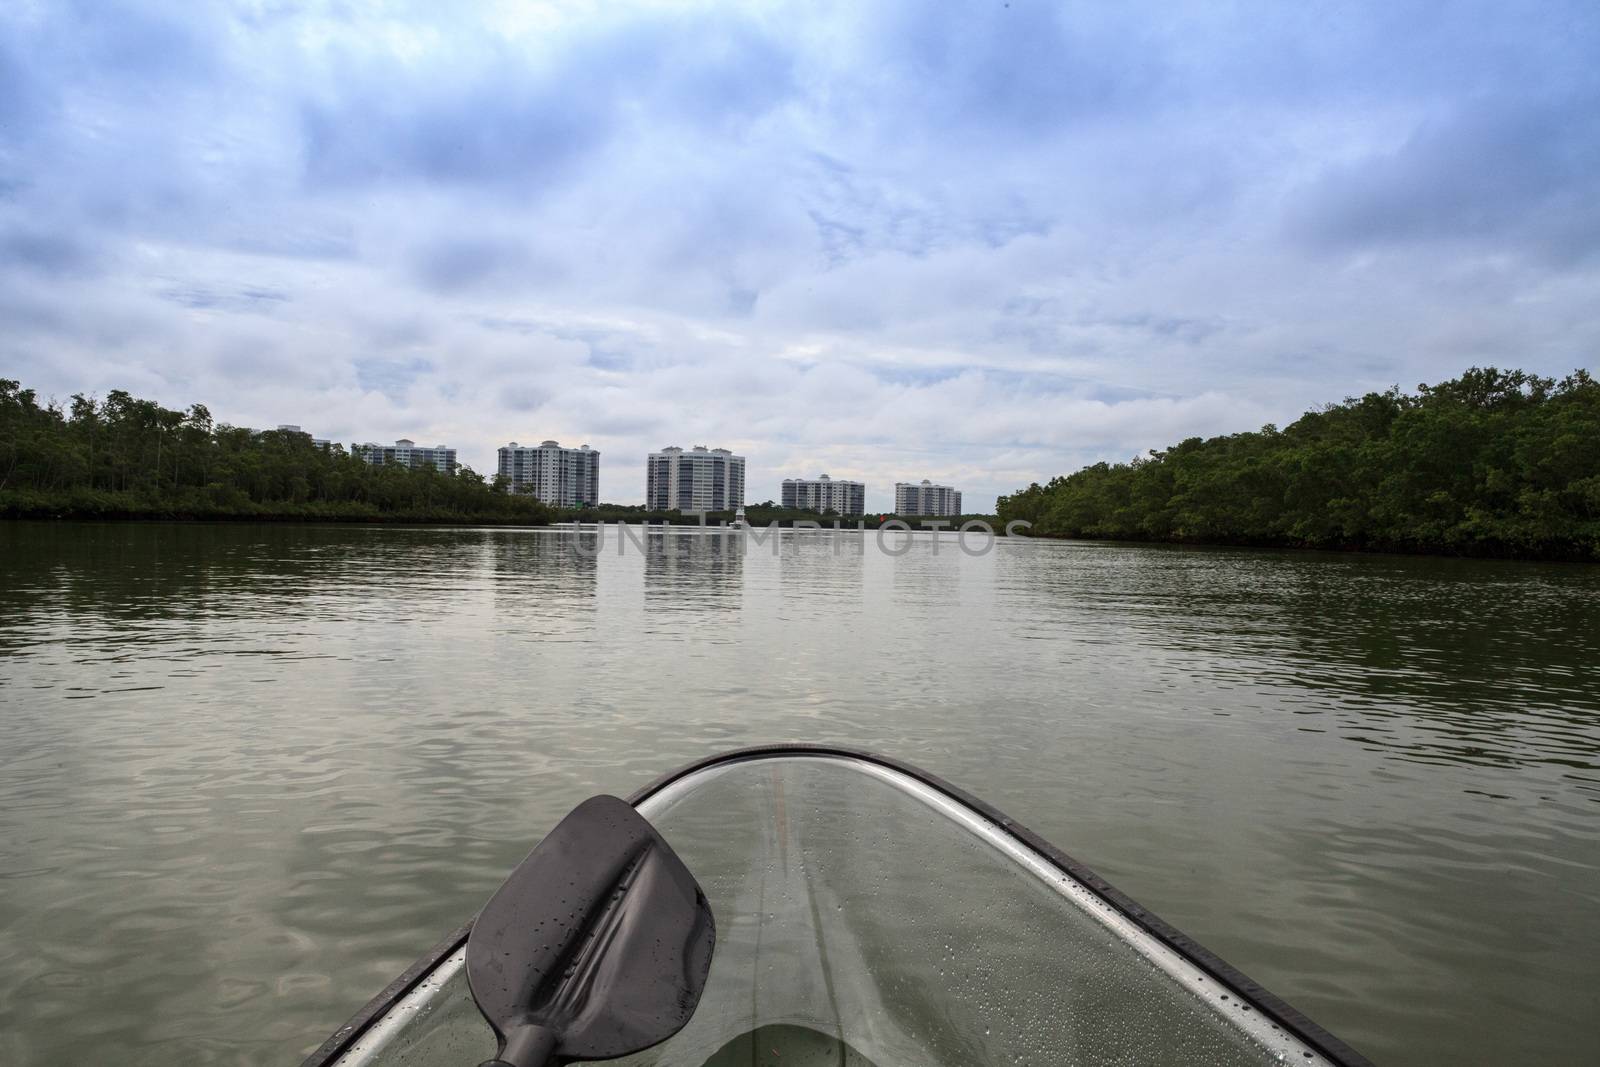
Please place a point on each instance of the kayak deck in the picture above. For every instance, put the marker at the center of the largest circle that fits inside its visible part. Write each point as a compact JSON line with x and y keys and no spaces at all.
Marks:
{"x":868,"y":914}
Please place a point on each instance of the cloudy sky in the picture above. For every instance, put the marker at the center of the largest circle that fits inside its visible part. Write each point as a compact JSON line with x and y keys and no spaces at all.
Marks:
{"x":978,"y":242}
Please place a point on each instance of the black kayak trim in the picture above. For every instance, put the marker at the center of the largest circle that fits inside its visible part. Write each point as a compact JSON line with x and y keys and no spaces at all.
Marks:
{"x":1270,"y":1005}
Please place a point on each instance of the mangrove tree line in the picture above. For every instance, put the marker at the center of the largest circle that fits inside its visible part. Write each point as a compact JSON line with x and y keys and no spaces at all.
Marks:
{"x":123,"y":457}
{"x":1493,"y":463}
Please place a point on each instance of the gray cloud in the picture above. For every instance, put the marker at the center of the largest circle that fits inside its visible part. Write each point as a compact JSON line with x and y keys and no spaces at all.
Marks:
{"x":524,"y":397}
{"x":1525,"y":175}
{"x":389,"y":376}
{"x":245,"y":299}
{"x":482,"y":111}
{"x":451,"y":265}
{"x":46,"y":252}
{"x":1025,"y":69}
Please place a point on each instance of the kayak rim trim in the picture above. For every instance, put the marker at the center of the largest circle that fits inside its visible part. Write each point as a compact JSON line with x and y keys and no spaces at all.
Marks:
{"x":1263,"y":1000}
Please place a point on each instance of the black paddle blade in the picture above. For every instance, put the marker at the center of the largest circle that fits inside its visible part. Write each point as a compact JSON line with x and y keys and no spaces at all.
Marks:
{"x":598,"y":945}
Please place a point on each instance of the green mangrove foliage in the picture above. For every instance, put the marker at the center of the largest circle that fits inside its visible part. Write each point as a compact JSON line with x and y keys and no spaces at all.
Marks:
{"x":1493,"y":463}
{"x":123,"y":457}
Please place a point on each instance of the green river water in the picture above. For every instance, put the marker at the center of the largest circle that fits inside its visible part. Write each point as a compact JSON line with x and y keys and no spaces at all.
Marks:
{"x":248,"y":773}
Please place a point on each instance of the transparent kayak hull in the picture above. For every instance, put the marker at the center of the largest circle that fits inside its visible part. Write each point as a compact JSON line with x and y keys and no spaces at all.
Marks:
{"x":868,"y":913}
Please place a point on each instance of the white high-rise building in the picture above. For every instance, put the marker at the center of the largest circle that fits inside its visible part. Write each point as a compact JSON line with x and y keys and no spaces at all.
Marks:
{"x":926,"y":499}
{"x":561,"y":477}
{"x":701,"y":479}
{"x":409,"y":454}
{"x":825,"y":494}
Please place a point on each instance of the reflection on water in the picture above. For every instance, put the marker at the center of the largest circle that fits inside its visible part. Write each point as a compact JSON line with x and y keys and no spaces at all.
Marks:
{"x":1433,"y":660}
{"x":689,"y":571}
{"x":248,"y":772}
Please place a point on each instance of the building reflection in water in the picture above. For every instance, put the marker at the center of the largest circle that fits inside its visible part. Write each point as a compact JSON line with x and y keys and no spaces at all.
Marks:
{"x":821,"y":567}
{"x":690,"y":570}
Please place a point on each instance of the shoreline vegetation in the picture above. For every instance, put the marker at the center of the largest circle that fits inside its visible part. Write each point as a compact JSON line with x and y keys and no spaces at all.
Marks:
{"x":126,"y":458}
{"x":1492,"y":464}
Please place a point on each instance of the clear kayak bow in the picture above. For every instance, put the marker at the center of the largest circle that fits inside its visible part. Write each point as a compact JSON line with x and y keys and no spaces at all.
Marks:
{"x":868,"y":913}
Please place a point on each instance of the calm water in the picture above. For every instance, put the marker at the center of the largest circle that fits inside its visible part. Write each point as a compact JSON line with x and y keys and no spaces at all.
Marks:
{"x":247,"y":774}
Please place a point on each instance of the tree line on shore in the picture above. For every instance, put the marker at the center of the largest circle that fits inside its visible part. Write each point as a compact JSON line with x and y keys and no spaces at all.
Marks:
{"x":1493,"y":463}
{"x":123,"y":457}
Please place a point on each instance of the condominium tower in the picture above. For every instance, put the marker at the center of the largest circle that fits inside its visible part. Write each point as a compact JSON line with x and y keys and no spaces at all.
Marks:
{"x":562,"y":477}
{"x":926,"y":499}
{"x":409,"y":454}
{"x":824,"y":494}
{"x":700,"y":479}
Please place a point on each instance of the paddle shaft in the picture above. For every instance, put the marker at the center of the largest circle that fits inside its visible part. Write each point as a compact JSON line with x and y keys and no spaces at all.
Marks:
{"x":527,"y":1046}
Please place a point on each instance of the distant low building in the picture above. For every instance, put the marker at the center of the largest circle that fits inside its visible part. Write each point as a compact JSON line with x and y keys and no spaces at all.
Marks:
{"x":825,"y":494}
{"x":409,"y":454}
{"x":561,"y":477}
{"x":925,"y":498}
{"x":320,"y":442}
{"x":701,"y":479}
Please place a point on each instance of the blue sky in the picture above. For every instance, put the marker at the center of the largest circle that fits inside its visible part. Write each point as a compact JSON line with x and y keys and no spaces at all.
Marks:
{"x":982,"y":243}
